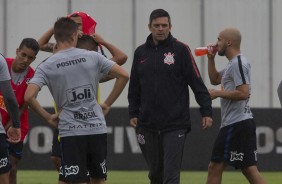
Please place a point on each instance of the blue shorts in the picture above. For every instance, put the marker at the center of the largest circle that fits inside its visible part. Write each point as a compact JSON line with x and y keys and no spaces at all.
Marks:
{"x":236,"y":145}
{"x":16,"y":149}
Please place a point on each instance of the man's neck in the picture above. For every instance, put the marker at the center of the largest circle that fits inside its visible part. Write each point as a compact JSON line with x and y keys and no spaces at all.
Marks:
{"x":232,"y":54}
{"x":14,"y":67}
{"x":64,"y":46}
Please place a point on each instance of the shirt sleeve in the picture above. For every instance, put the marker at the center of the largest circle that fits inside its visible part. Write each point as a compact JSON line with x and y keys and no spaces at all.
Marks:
{"x":4,"y":72}
{"x":241,"y":73}
{"x":105,"y":64}
{"x":196,"y":83}
{"x":134,"y":90}
{"x":39,"y":77}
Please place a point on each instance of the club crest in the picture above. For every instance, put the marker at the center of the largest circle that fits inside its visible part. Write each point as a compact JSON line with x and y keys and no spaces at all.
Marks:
{"x":169,"y":58}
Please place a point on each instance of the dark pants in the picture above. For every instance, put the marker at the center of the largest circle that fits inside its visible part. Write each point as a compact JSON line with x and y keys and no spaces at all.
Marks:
{"x":163,"y":153}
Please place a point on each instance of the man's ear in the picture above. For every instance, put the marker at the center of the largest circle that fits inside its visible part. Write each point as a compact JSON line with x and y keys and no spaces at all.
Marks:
{"x":149,"y":27}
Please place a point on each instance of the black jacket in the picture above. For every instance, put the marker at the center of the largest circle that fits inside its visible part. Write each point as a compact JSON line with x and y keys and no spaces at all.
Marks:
{"x":158,"y":90}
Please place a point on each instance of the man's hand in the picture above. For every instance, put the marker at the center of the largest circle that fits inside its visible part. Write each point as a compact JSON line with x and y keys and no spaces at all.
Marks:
{"x":105,"y":108}
{"x":14,"y":135}
{"x":8,"y":125}
{"x":98,"y":38}
{"x":207,"y":122}
{"x":212,"y":50}
{"x":133,"y":122}
{"x":53,"y":119}
{"x":213,"y":93}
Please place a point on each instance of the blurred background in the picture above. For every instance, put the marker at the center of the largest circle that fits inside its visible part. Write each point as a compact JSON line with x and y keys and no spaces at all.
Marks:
{"x":195,"y":22}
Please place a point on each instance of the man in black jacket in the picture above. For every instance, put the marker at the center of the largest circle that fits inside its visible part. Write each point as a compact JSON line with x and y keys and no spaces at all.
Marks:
{"x":158,"y":98}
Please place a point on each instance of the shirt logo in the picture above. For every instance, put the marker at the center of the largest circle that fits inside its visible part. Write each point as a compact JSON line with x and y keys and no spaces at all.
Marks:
{"x":71,"y":170}
{"x":80,"y":94}
{"x":143,"y":60}
{"x":236,"y":156}
{"x":140,"y":139}
{"x":169,"y":58}
{"x":27,"y":80}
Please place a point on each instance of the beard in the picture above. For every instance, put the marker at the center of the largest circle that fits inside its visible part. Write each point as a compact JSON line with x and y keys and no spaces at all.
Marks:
{"x":222,"y":51}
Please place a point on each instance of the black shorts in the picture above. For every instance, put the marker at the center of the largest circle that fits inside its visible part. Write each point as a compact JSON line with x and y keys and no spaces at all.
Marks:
{"x":83,"y":157}
{"x":5,"y":164}
{"x":16,"y":149}
{"x":56,"y":148}
{"x":236,"y":145}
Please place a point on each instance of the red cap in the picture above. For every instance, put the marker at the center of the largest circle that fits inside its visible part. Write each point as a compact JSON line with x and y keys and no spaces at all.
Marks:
{"x":88,"y":24}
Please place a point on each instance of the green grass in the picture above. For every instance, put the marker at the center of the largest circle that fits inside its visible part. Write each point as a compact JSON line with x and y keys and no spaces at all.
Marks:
{"x":140,"y":177}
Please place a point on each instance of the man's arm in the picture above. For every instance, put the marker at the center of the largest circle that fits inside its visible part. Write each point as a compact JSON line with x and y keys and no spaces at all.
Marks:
{"x":14,"y":132}
{"x":240,"y":93}
{"x":117,"y":55}
{"x":10,"y":102}
{"x":134,"y":92}
{"x":214,"y":75}
{"x":43,"y":41}
{"x":121,"y":80}
{"x":21,"y":111}
{"x":30,"y":98}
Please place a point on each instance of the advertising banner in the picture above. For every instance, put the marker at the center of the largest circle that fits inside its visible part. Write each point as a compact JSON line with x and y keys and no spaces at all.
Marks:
{"x":124,"y":152}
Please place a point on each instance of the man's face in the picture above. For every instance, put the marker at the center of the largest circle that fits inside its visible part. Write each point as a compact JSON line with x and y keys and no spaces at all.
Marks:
{"x":78,"y":21}
{"x":24,"y":58}
{"x":160,"y":29}
{"x":221,"y":45}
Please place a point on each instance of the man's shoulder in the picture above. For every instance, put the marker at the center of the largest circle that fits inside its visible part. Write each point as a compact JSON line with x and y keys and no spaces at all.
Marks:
{"x":179,"y":44}
{"x":240,"y":60}
{"x":141,"y":47}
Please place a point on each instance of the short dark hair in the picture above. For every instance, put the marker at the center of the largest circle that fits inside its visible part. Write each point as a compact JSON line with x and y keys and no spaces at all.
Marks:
{"x":159,"y":13}
{"x":30,"y":43}
{"x":87,"y":42}
{"x":64,"y":28}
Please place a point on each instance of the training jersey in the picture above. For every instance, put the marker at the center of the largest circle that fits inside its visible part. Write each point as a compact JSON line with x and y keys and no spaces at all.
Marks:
{"x":236,"y":73}
{"x":72,"y":76}
{"x":19,"y":85}
{"x":4,"y":76}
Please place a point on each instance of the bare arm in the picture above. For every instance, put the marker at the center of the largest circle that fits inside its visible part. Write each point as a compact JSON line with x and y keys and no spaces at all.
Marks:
{"x":30,"y":98}
{"x":240,"y":93}
{"x":121,"y":80}
{"x":117,"y":55}
{"x":106,"y":78}
{"x":43,"y":41}
{"x":214,"y":75}
{"x":21,"y":111}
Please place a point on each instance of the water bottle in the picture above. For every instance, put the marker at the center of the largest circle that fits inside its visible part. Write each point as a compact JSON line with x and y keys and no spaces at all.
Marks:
{"x":200,"y":51}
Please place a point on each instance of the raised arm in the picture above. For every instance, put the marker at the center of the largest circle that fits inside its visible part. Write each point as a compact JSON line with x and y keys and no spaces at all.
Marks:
{"x":118,"y":56}
{"x":214,"y":75}
{"x":43,"y":41}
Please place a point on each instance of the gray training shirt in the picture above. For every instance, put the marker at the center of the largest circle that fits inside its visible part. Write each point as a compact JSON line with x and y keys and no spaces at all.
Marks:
{"x":236,"y":73}
{"x":72,"y":76}
{"x":4,"y":76}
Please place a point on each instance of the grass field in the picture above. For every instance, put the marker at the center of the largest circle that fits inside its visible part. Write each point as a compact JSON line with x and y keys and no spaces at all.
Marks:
{"x":140,"y":177}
